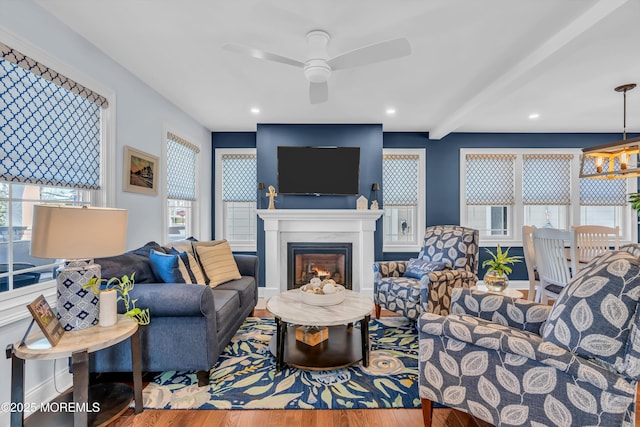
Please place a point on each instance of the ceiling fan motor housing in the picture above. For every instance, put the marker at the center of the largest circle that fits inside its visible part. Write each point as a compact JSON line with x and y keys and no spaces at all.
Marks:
{"x":316,"y":69}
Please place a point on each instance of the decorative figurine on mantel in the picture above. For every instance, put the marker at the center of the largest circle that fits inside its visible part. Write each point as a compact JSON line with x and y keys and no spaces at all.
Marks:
{"x":362,"y":203}
{"x":272,"y":195}
{"x":374,"y":205}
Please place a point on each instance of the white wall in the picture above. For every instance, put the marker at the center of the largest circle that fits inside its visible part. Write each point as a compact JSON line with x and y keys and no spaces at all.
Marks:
{"x":140,"y":114}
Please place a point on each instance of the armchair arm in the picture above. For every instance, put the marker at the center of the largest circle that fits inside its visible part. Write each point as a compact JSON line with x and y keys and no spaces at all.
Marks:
{"x":517,"y":313}
{"x":388,"y":269}
{"x":173,"y":300}
{"x":519,"y":346}
{"x":436,"y":288}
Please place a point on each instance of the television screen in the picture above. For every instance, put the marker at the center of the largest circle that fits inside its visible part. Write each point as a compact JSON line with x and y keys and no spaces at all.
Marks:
{"x":318,"y":170}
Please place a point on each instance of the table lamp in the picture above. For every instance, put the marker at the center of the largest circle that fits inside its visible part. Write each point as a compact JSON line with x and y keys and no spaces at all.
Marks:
{"x":77,"y":235}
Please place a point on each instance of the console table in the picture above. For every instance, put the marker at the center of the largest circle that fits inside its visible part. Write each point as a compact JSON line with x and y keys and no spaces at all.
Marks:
{"x":112,"y":399}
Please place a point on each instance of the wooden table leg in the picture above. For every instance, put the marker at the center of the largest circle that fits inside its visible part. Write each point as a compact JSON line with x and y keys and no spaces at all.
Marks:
{"x":80,"y":361}
{"x":136,"y":363}
{"x":364,"y":330}
{"x":17,"y":386}
{"x":281,"y":336}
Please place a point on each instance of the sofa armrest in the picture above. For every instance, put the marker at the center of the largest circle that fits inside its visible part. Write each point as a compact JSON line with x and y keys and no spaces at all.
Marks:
{"x":247,"y":265}
{"x":173,"y":300}
{"x":517,"y":313}
{"x":389,"y":269}
{"x":516,"y":344}
{"x":437,"y":286}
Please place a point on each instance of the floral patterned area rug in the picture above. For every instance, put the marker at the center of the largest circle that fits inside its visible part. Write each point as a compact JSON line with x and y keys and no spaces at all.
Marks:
{"x":245,"y":376}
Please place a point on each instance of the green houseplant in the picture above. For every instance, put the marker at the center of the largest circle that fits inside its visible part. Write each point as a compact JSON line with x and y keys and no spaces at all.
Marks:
{"x":497,"y":276}
{"x":122,"y":286}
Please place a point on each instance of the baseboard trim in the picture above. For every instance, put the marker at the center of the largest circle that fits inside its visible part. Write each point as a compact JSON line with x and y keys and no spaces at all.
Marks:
{"x":46,"y":390}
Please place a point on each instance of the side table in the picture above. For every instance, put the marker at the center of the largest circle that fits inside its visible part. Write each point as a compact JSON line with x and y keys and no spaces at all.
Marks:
{"x":113,"y":399}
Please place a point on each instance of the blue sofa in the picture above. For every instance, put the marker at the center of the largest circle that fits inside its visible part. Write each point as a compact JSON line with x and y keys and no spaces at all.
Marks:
{"x":190,"y":324}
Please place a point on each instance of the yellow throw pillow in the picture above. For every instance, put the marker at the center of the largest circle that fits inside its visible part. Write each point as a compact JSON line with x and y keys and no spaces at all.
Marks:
{"x":196,"y":270}
{"x":218,"y":263}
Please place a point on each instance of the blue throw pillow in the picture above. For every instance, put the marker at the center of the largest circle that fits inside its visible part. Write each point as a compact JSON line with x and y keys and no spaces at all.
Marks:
{"x":418,"y":267}
{"x":166,"y":267}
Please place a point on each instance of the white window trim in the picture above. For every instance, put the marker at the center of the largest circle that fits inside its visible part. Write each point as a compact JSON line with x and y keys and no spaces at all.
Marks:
{"x":219,"y":211}
{"x":628,"y":222}
{"x":12,"y":305}
{"x":195,"y":205}
{"x":421,"y":219}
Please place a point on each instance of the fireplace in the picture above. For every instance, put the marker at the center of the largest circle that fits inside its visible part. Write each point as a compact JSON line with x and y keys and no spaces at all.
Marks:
{"x":306,"y":260}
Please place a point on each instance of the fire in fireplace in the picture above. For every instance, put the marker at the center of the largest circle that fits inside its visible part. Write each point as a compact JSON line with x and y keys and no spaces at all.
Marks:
{"x":306,"y":260}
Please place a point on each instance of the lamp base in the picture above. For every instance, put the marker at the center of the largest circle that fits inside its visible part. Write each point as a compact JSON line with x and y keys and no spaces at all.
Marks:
{"x":77,"y":307}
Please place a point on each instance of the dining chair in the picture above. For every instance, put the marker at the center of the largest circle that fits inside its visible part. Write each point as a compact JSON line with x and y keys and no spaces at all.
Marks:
{"x":593,"y":240}
{"x":554,"y":269}
{"x":530,"y":262}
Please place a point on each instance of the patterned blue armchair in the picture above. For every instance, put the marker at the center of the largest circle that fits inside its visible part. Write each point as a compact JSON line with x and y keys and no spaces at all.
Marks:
{"x":509,"y":361}
{"x":453,"y":245}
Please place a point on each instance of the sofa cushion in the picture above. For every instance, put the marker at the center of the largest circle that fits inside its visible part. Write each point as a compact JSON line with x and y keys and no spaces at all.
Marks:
{"x":169,"y":268}
{"x":193,"y":269}
{"x":135,"y":261}
{"x":227,"y":306}
{"x":245,"y":286}
{"x":595,"y":312}
{"x":418,"y":267}
{"x":218,"y":263}
{"x":181,"y":245}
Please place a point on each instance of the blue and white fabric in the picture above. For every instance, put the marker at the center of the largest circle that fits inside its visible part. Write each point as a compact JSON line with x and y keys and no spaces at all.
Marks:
{"x":418,"y":267}
{"x":182,"y":161}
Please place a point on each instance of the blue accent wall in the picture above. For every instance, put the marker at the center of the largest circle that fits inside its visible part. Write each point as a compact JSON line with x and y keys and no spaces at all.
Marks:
{"x":443,"y":166}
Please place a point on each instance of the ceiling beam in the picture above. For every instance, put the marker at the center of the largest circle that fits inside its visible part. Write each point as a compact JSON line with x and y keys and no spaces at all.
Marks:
{"x":496,"y":88}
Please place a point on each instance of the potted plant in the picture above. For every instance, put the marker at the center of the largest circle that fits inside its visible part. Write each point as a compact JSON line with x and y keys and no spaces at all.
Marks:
{"x":496,"y":278}
{"x":120,"y":286}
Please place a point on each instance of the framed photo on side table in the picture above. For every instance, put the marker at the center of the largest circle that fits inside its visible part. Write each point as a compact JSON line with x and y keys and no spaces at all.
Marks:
{"x":46,"y":320}
{"x":140,"y":172}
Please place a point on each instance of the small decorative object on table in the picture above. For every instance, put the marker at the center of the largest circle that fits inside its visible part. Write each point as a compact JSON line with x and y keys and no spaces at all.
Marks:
{"x":312,"y":335}
{"x":272,"y":195}
{"x":122,"y":286}
{"x":362,"y":204}
{"x":322,"y":292}
{"x":46,"y":320}
{"x":496,"y":278}
{"x":374,"y":205}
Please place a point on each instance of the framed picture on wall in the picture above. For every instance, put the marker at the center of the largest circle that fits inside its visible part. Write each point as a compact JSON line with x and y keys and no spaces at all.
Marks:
{"x":140,"y":172}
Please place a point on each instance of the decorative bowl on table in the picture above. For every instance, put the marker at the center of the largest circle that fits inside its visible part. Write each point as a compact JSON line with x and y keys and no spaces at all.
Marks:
{"x":322,"y":292}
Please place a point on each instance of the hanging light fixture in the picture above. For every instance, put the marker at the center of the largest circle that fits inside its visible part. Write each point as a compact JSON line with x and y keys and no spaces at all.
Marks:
{"x":612,"y":160}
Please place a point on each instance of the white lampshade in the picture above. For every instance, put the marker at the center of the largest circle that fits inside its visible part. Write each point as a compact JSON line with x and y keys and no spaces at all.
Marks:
{"x":74,"y":232}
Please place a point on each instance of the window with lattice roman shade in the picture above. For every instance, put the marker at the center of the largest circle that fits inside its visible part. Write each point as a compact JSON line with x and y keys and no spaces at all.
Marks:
{"x":490,"y":179}
{"x":400,"y":179}
{"x":239,"y":172}
{"x":546,"y":179}
{"x":181,"y":168}
{"x":49,"y":125}
{"x":600,"y":192}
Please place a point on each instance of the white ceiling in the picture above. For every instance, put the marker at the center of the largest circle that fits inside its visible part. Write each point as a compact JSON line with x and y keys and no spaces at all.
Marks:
{"x":476,"y":66}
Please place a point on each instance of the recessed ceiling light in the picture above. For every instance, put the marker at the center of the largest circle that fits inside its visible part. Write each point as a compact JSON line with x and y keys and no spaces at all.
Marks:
{"x":534,"y":116}
{"x":391,"y":111}
{"x":255,"y":110}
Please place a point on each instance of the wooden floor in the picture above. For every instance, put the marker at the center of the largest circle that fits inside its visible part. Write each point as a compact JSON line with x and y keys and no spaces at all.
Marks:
{"x":442,"y":417}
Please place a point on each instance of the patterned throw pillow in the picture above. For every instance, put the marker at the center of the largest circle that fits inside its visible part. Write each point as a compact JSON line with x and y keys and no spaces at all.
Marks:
{"x":218,"y":263}
{"x":418,"y":267}
{"x":594,"y":314}
{"x":168,"y":268}
{"x":192,"y":267}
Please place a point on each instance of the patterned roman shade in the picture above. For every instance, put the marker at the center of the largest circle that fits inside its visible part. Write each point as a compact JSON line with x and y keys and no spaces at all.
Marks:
{"x":182,"y":162}
{"x":490,"y":179}
{"x":400,"y":179}
{"x":49,"y":125}
{"x":601,"y":192}
{"x":546,"y":179}
{"x":239,"y":175}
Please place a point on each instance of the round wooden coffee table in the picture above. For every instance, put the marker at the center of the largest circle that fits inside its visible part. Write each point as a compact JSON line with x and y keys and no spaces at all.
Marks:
{"x":343,"y":348}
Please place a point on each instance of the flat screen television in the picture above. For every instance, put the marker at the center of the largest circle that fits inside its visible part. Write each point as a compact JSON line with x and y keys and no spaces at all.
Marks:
{"x":319,"y":170}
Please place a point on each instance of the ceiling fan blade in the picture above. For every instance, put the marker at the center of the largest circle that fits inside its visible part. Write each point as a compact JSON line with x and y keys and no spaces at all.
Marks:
{"x":391,"y":49}
{"x":261,"y":54}
{"x":318,"y":92}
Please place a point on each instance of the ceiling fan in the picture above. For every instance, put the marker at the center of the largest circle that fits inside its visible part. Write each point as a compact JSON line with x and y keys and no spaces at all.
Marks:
{"x":318,"y":67}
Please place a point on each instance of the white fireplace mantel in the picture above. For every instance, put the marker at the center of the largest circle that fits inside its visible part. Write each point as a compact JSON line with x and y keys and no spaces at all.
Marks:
{"x":282,"y":226}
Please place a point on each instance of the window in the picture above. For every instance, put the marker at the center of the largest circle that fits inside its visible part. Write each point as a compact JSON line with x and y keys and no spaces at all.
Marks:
{"x":51,"y":149}
{"x":182,"y":164}
{"x":502,"y":192}
{"x":403,"y":199}
{"x":236,"y":193}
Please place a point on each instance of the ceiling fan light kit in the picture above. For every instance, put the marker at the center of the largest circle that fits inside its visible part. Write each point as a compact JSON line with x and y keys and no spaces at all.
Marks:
{"x":317,"y":67}
{"x":612,"y":160}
